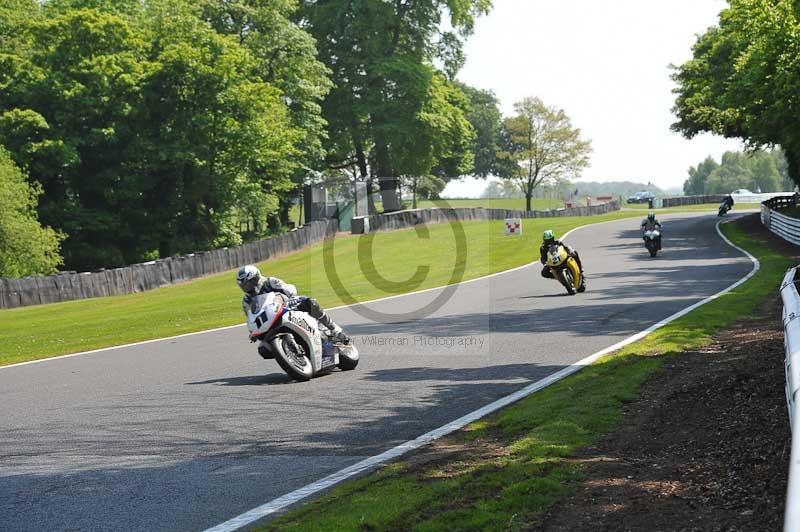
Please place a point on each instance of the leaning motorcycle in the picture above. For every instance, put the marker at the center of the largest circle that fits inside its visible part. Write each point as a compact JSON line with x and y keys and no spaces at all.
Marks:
{"x":724,"y":207}
{"x":295,"y":340}
{"x":565,"y":269}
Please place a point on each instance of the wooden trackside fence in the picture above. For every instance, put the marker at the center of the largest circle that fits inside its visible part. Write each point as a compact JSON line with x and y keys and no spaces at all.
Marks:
{"x":67,"y":286}
{"x":410,"y":218}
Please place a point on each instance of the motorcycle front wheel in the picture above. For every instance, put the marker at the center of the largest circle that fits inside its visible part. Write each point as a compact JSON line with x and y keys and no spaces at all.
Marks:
{"x":565,"y":278}
{"x":292,"y":358}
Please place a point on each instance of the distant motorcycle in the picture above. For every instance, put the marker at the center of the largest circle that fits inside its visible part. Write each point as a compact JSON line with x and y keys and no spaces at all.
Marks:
{"x":652,"y":240}
{"x":294,"y":339}
{"x":724,"y":207}
{"x":565,"y":269}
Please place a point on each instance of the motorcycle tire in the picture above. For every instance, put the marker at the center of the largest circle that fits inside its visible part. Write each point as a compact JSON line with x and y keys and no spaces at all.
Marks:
{"x":565,"y":276}
{"x":653,"y":252}
{"x":346,"y":362}
{"x":296,"y":365}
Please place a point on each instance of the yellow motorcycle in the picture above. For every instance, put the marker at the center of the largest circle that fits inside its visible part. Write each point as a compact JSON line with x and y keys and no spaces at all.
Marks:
{"x":565,"y":269}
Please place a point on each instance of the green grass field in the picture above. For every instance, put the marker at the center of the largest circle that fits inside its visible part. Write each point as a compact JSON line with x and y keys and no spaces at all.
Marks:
{"x":515,"y":464}
{"x":31,"y":333}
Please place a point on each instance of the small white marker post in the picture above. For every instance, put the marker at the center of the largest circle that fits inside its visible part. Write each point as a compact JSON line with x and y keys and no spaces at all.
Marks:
{"x":513,"y":227}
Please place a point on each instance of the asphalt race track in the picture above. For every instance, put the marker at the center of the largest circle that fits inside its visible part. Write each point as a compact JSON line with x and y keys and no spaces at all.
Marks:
{"x":184,"y":434}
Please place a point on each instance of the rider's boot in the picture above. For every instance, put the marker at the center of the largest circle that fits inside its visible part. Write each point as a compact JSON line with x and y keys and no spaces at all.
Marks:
{"x":336,"y":332}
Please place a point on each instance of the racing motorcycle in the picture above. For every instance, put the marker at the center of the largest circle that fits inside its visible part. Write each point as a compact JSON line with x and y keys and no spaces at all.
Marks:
{"x":652,"y":239}
{"x":295,"y":340}
{"x":565,"y":269}
{"x":724,"y":207}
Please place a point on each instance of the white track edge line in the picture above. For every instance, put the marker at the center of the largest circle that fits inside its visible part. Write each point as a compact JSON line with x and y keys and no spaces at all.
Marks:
{"x":276,"y":505}
{"x":216,"y":329}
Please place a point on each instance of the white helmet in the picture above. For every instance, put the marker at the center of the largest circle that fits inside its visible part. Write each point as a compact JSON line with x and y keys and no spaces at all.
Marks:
{"x":248,"y":278}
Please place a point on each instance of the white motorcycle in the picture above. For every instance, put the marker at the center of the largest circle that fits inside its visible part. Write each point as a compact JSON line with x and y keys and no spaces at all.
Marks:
{"x":295,"y":340}
{"x":652,"y":240}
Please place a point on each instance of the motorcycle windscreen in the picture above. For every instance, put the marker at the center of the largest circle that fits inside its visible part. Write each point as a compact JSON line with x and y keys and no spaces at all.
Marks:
{"x":267,"y":308}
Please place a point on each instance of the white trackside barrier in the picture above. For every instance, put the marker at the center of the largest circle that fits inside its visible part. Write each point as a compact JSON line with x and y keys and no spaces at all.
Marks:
{"x":757,"y":198}
{"x":786,"y":227}
{"x":791,"y":328}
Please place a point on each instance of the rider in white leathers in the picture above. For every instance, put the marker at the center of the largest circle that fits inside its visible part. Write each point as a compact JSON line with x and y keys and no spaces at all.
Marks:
{"x":252,"y":283}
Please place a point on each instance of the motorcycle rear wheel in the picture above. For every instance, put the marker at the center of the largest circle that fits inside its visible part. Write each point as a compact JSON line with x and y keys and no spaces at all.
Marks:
{"x":348,"y":358}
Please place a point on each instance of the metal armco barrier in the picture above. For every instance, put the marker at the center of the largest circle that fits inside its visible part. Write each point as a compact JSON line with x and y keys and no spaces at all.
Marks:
{"x":68,"y":286}
{"x":791,"y":329}
{"x":786,"y":227}
{"x":717,"y":198}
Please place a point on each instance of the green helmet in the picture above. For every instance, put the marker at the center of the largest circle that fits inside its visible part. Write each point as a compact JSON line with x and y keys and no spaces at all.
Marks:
{"x":651,"y":216}
{"x":549,"y":235}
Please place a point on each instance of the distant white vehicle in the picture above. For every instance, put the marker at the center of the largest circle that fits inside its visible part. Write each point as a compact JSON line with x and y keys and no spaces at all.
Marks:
{"x":742,"y":191}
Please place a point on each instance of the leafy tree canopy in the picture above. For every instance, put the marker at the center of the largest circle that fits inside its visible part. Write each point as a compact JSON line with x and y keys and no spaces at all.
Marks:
{"x":543,"y":145}
{"x":390,"y":112}
{"x":26,"y":248}
{"x":744,"y":78}
{"x":150,"y":131}
{"x":763,"y":171}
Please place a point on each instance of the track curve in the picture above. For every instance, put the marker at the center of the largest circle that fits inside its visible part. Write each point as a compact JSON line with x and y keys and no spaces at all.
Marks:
{"x":188,"y":432}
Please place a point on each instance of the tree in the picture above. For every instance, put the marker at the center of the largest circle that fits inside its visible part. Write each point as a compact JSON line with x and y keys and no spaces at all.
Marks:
{"x":543,"y":145}
{"x":287,"y":58}
{"x":765,"y":172}
{"x":384,"y":110}
{"x":734,"y":172}
{"x":695,"y":185}
{"x":757,"y":171}
{"x":147,"y":129}
{"x":26,"y":248}
{"x":66,"y":115}
{"x":216,"y":134}
{"x":486,"y":120}
{"x":743,"y":78}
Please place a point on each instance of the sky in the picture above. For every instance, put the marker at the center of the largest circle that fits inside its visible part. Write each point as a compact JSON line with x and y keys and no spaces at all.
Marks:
{"x":606,"y":63}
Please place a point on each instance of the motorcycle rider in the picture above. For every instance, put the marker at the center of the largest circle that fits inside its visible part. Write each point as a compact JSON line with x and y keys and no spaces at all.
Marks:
{"x":728,"y":201}
{"x":549,"y":238}
{"x":252,"y":283}
{"x":651,"y":223}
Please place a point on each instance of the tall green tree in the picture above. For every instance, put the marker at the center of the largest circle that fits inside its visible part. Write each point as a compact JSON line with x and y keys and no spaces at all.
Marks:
{"x":287,"y":59}
{"x":695,"y":185}
{"x":215,"y":133}
{"x":385,"y":90}
{"x":743,"y":78}
{"x":67,"y":117}
{"x":756,"y":171}
{"x":543,"y":145}
{"x":146,"y":128}
{"x":487,"y":121}
{"x":26,"y":248}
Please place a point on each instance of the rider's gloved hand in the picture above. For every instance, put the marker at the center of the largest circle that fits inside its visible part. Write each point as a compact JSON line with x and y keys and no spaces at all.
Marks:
{"x":253,"y":339}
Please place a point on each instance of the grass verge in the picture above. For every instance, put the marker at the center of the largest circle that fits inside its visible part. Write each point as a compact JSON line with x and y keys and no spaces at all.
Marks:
{"x":500,"y":473}
{"x":43,"y":331}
